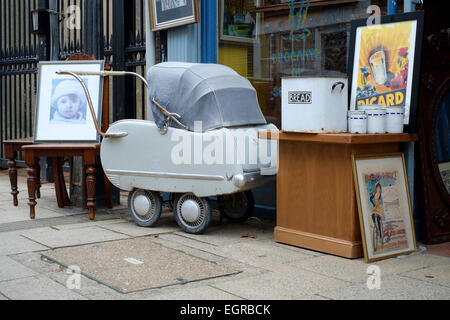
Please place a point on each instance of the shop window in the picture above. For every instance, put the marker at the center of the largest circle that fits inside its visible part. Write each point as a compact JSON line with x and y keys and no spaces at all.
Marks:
{"x":265,"y":40}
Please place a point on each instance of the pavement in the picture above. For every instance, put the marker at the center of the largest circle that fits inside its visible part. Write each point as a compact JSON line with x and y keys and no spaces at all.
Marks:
{"x":39,"y":260}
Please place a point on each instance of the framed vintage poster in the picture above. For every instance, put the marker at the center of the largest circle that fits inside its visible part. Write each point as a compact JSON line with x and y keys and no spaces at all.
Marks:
{"x":239,"y":21}
{"x":384,"y":206}
{"x":384,"y":63}
{"x":62,"y":113}
{"x":165,"y":14}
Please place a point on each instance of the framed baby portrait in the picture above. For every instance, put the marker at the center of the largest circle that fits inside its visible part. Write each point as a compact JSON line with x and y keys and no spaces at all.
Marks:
{"x":62,"y":112}
{"x":384,"y":206}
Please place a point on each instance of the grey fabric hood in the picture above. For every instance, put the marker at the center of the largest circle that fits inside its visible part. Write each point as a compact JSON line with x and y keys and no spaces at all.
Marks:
{"x":211,"y":93}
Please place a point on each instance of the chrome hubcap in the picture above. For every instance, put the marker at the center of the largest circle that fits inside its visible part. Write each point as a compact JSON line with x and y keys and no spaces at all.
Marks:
{"x":190,"y":211}
{"x":142,"y":205}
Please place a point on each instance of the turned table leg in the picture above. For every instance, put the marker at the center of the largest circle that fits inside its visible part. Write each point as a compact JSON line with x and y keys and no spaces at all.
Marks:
{"x":31,"y":182}
{"x":38,"y":179}
{"x":90,"y":186}
{"x":11,"y":155}
{"x":13,"y":180}
{"x":60,"y":186}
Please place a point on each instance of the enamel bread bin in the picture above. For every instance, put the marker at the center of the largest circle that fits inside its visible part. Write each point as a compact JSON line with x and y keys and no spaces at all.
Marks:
{"x":314,"y":104}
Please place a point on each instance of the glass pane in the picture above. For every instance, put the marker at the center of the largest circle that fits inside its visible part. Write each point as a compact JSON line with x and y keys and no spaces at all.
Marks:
{"x":442,"y":132}
{"x":266,"y":40}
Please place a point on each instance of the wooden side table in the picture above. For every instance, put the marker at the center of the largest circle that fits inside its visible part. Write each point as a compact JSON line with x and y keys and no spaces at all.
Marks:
{"x":316,"y":199}
{"x":11,"y":149}
{"x":89,"y":151}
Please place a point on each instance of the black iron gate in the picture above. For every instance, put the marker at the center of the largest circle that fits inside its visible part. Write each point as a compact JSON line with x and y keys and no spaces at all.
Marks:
{"x":18,"y":67}
{"x":113,"y":30}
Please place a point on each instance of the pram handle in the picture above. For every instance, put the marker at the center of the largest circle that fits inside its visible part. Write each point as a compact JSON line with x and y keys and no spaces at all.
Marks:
{"x":77,"y":74}
{"x":111,"y":73}
{"x":91,"y":108}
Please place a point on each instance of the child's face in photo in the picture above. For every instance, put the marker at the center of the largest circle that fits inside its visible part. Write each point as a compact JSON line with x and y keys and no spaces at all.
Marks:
{"x":68,"y":106}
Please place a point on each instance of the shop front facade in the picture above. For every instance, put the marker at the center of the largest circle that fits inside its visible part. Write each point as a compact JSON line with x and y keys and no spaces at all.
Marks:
{"x":267,"y":40}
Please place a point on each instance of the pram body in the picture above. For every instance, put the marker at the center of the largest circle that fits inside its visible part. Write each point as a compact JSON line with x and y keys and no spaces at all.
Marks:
{"x":212,"y":149}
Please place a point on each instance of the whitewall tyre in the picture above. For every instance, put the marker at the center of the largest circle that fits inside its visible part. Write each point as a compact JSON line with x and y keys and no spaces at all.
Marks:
{"x":193,"y":214}
{"x":145,"y":207}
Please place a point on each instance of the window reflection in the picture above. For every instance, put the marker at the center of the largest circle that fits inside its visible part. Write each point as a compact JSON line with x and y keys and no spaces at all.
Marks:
{"x":266,"y":40}
{"x":442,"y":133}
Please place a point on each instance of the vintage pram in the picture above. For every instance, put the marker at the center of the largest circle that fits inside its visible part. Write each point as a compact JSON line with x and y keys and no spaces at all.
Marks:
{"x":200,"y":141}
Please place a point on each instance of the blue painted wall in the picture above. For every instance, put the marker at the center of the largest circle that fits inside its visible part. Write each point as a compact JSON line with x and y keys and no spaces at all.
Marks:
{"x":183,"y":43}
{"x":208,"y":11}
{"x":195,"y":42}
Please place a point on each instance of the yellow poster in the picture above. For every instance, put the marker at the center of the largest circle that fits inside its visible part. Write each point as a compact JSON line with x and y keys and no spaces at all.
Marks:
{"x":382,"y":71}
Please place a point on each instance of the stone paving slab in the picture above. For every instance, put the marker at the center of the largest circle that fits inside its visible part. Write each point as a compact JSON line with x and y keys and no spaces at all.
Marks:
{"x":227,"y":233}
{"x":356,"y":270}
{"x":35,"y":262}
{"x":64,"y":238}
{"x":37,"y":288}
{"x":189,"y":242}
{"x":295,"y":249}
{"x":38,"y":223}
{"x":130,"y":228}
{"x":199,"y":293}
{"x":288,"y":283}
{"x":87,"y":224}
{"x":89,"y":288}
{"x":94,"y":290}
{"x":9,"y":213}
{"x":4,"y":197}
{"x":392,"y":288}
{"x":14,"y":242}
{"x":11,"y":270}
{"x":439,"y":275}
{"x":150,"y":265}
{"x":168,"y":242}
{"x":262,"y":254}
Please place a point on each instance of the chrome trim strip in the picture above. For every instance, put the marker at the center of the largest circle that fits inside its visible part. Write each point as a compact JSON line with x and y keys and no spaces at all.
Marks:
{"x":165,"y":175}
{"x":256,"y":179}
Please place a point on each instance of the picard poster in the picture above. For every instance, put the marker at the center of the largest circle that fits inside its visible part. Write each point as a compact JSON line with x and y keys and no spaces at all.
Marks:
{"x":383,"y":65}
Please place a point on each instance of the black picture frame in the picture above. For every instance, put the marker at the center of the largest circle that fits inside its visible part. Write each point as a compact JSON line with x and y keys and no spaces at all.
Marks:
{"x":180,"y":14}
{"x":418,"y":16}
{"x":52,"y":86}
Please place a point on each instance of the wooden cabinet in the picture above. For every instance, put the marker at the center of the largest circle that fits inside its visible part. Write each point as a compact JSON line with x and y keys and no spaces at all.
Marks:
{"x":316,"y":199}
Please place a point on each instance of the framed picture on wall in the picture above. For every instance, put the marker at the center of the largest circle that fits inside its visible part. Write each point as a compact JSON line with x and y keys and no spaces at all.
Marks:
{"x":384,"y":206}
{"x":239,"y":21}
{"x":384,"y":62}
{"x":62,"y":113}
{"x":165,"y":14}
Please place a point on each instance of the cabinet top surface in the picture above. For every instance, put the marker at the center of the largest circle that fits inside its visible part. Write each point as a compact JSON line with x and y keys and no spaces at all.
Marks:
{"x":341,"y":138}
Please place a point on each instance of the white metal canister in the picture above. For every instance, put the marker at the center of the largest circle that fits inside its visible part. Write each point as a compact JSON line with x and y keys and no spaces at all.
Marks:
{"x":376,"y":120}
{"x":357,"y":121}
{"x":394,"y":119}
{"x":314,"y":104}
{"x":364,"y":107}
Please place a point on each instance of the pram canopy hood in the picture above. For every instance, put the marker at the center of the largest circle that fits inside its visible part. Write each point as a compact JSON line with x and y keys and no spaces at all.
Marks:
{"x":211,"y":93}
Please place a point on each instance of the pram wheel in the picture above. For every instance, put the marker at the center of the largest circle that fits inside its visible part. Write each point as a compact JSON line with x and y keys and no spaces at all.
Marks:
{"x":145,"y":207}
{"x":237,"y":207}
{"x":193,"y":214}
